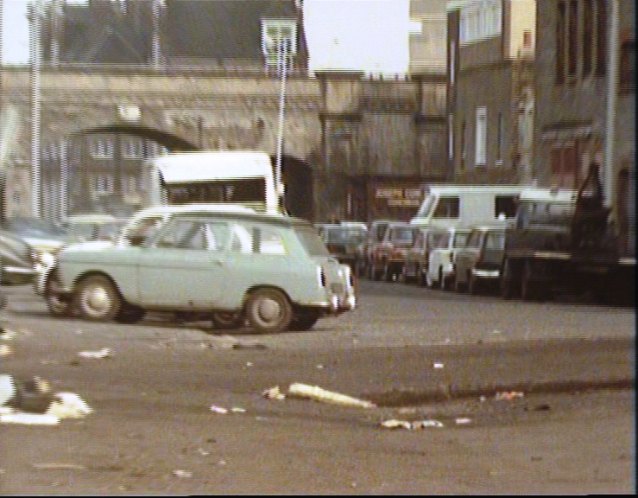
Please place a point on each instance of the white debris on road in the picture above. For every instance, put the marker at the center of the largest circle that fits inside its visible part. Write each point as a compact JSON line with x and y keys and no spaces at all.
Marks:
{"x":5,"y":350}
{"x":102,"y":353}
{"x":274,"y":393}
{"x":411,"y":426}
{"x":508,"y":395}
{"x":318,"y":394}
{"x":218,"y":409}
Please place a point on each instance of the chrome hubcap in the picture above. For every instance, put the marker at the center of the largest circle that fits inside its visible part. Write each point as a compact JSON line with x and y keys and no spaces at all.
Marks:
{"x":97,"y":300}
{"x":268,"y":309}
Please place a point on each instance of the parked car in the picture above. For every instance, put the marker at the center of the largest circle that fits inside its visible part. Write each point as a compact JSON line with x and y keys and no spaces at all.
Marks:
{"x":417,"y":256}
{"x":480,"y":261}
{"x":138,"y":228}
{"x":17,"y":265}
{"x":388,"y":256}
{"x":376,"y":231}
{"x":93,"y":226}
{"x":45,"y":237}
{"x":441,"y":260}
{"x":342,"y":240}
{"x":273,"y":271}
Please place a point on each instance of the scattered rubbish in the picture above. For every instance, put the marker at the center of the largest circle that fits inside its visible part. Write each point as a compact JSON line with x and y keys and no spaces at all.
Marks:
{"x":396,"y":424}
{"x":203,"y":452}
{"x":222,"y":462}
{"x":68,"y":405}
{"x":411,"y":426}
{"x":249,"y":364}
{"x":58,"y":466}
{"x":5,"y":350}
{"x":237,"y":409}
{"x":7,"y":335}
{"x":462,"y":420}
{"x":29,"y":418}
{"x":102,"y":353}
{"x":482,"y":399}
{"x":437,"y":365}
{"x":183,"y":474}
{"x":273,"y":393}
{"x":320,"y":366}
{"x":508,"y":395}
{"x":318,"y":394}
{"x":407,"y":410}
{"x":218,"y":409}
{"x":495,"y":331}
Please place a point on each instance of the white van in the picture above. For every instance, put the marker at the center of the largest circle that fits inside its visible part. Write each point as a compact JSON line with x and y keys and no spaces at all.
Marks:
{"x":232,"y":177}
{"x":467,"y":205}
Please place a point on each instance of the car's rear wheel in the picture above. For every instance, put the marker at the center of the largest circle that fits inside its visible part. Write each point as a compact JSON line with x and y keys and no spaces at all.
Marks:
{"x":268,"y":311}
{"x":227,"y":319}
{"x":474,"y":285}
{"x":97,"y":299}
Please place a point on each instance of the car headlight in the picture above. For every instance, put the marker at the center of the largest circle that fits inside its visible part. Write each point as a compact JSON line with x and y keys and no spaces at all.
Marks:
{"x":44,"y":257}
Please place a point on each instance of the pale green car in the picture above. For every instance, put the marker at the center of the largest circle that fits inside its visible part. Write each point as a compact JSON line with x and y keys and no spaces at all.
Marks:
{"x":273,"y":271}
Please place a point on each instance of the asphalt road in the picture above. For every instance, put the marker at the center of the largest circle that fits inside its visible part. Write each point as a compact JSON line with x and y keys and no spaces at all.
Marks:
{"x":417,"y":353}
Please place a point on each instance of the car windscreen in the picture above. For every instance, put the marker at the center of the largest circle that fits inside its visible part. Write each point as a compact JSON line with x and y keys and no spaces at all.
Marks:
{"x":35,"y":227}
{"x":343,"y":235}
{"x":311,"y":241}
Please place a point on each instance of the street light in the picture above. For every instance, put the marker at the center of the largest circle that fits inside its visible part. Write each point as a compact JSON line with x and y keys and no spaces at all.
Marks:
{"x":282,"y":65}
{"x":35,"y":16}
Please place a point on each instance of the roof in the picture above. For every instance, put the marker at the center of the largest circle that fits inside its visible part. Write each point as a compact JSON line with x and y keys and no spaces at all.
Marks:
{"x":204,"y":166}
{"x":549,"y":195}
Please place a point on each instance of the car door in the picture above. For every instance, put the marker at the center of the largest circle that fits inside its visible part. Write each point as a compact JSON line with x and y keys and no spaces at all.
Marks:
{"x":466,"y":256}
{"x":185,"y":265}
{"x":493,"y":247}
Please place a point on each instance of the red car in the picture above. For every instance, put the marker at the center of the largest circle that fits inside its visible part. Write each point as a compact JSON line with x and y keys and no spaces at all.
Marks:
{"x":388,"y":256}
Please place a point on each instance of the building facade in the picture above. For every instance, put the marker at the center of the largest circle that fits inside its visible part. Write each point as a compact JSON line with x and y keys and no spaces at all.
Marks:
{"x":490,"y":90}
{"x":427,"y":37}
{"x":585,"y":91}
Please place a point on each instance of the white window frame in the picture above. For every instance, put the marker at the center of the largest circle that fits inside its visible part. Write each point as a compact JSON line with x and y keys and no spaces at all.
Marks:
{"x":450,"y":122}
{"x":102,"y":183}
{"x":101,"y":148}
{"x":132,"y":148}
{"x":452,"y":62}
{"x":269,"y":44}
{"x":480,"y":157}
{"x":480,"y":20}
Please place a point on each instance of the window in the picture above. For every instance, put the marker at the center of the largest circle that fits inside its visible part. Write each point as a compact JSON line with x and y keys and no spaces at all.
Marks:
{"x":278,"y":36}
{"x":241,"y":239}
{"x":480,"y":20}
{"x":499,"y":139}
{"x":270,"y":242}
{"x":564,"y":160}
{"x":474,"y":240}
{"x":447,"y":207}
{"x":132,"y":148}
{"x":495,"y":240}
{"x":628,"y":65}
{"x":588,"y":36}
{"x":572,"y":44}
{"x":505,"y":204}
{"x":560,"y":43}
{"x":450,"y":144}
{"x":102,"y":184}
{"x":101,"y":148}
{"x":460,"y":239}
{"x":601,"y":38}
{"x":481,"y":136}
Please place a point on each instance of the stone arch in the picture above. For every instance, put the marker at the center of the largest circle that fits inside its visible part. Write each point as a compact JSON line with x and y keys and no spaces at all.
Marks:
{"x":297,"y":176}
{"x":168,"y":140}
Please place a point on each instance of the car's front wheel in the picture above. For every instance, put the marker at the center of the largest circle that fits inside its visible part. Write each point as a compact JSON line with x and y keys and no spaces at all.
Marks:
{"x":97,"y":299}
{"x":268,"y":311}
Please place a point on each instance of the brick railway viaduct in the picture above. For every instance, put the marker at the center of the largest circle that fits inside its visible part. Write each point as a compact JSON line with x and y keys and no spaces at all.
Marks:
{"x":351,"y":144}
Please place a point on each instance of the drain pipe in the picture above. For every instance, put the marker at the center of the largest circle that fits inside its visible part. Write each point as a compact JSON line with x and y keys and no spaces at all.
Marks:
{"x":610,"y":125}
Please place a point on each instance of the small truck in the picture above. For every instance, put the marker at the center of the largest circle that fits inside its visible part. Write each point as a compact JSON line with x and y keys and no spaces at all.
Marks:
{"x":563,"y":240}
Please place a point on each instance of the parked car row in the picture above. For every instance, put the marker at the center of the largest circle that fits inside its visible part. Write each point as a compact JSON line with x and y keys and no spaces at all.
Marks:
{"x":465,"y":259}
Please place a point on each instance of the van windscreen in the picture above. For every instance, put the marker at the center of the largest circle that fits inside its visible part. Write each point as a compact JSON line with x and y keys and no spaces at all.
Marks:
{"x":236,"y":191}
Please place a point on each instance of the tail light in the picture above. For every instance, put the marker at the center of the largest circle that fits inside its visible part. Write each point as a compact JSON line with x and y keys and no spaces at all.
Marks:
{"x":321,"y":276}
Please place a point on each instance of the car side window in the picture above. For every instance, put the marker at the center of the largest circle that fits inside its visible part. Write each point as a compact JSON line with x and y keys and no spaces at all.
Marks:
{"x":474,"y":241}
{"x":142,"y":230}
{"x":241,"y":239}
{"x":495,"y":240}
{"x":269,"y":242}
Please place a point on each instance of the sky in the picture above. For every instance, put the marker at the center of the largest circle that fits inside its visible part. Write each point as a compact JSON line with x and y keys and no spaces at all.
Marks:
{"x":365,"y":35}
